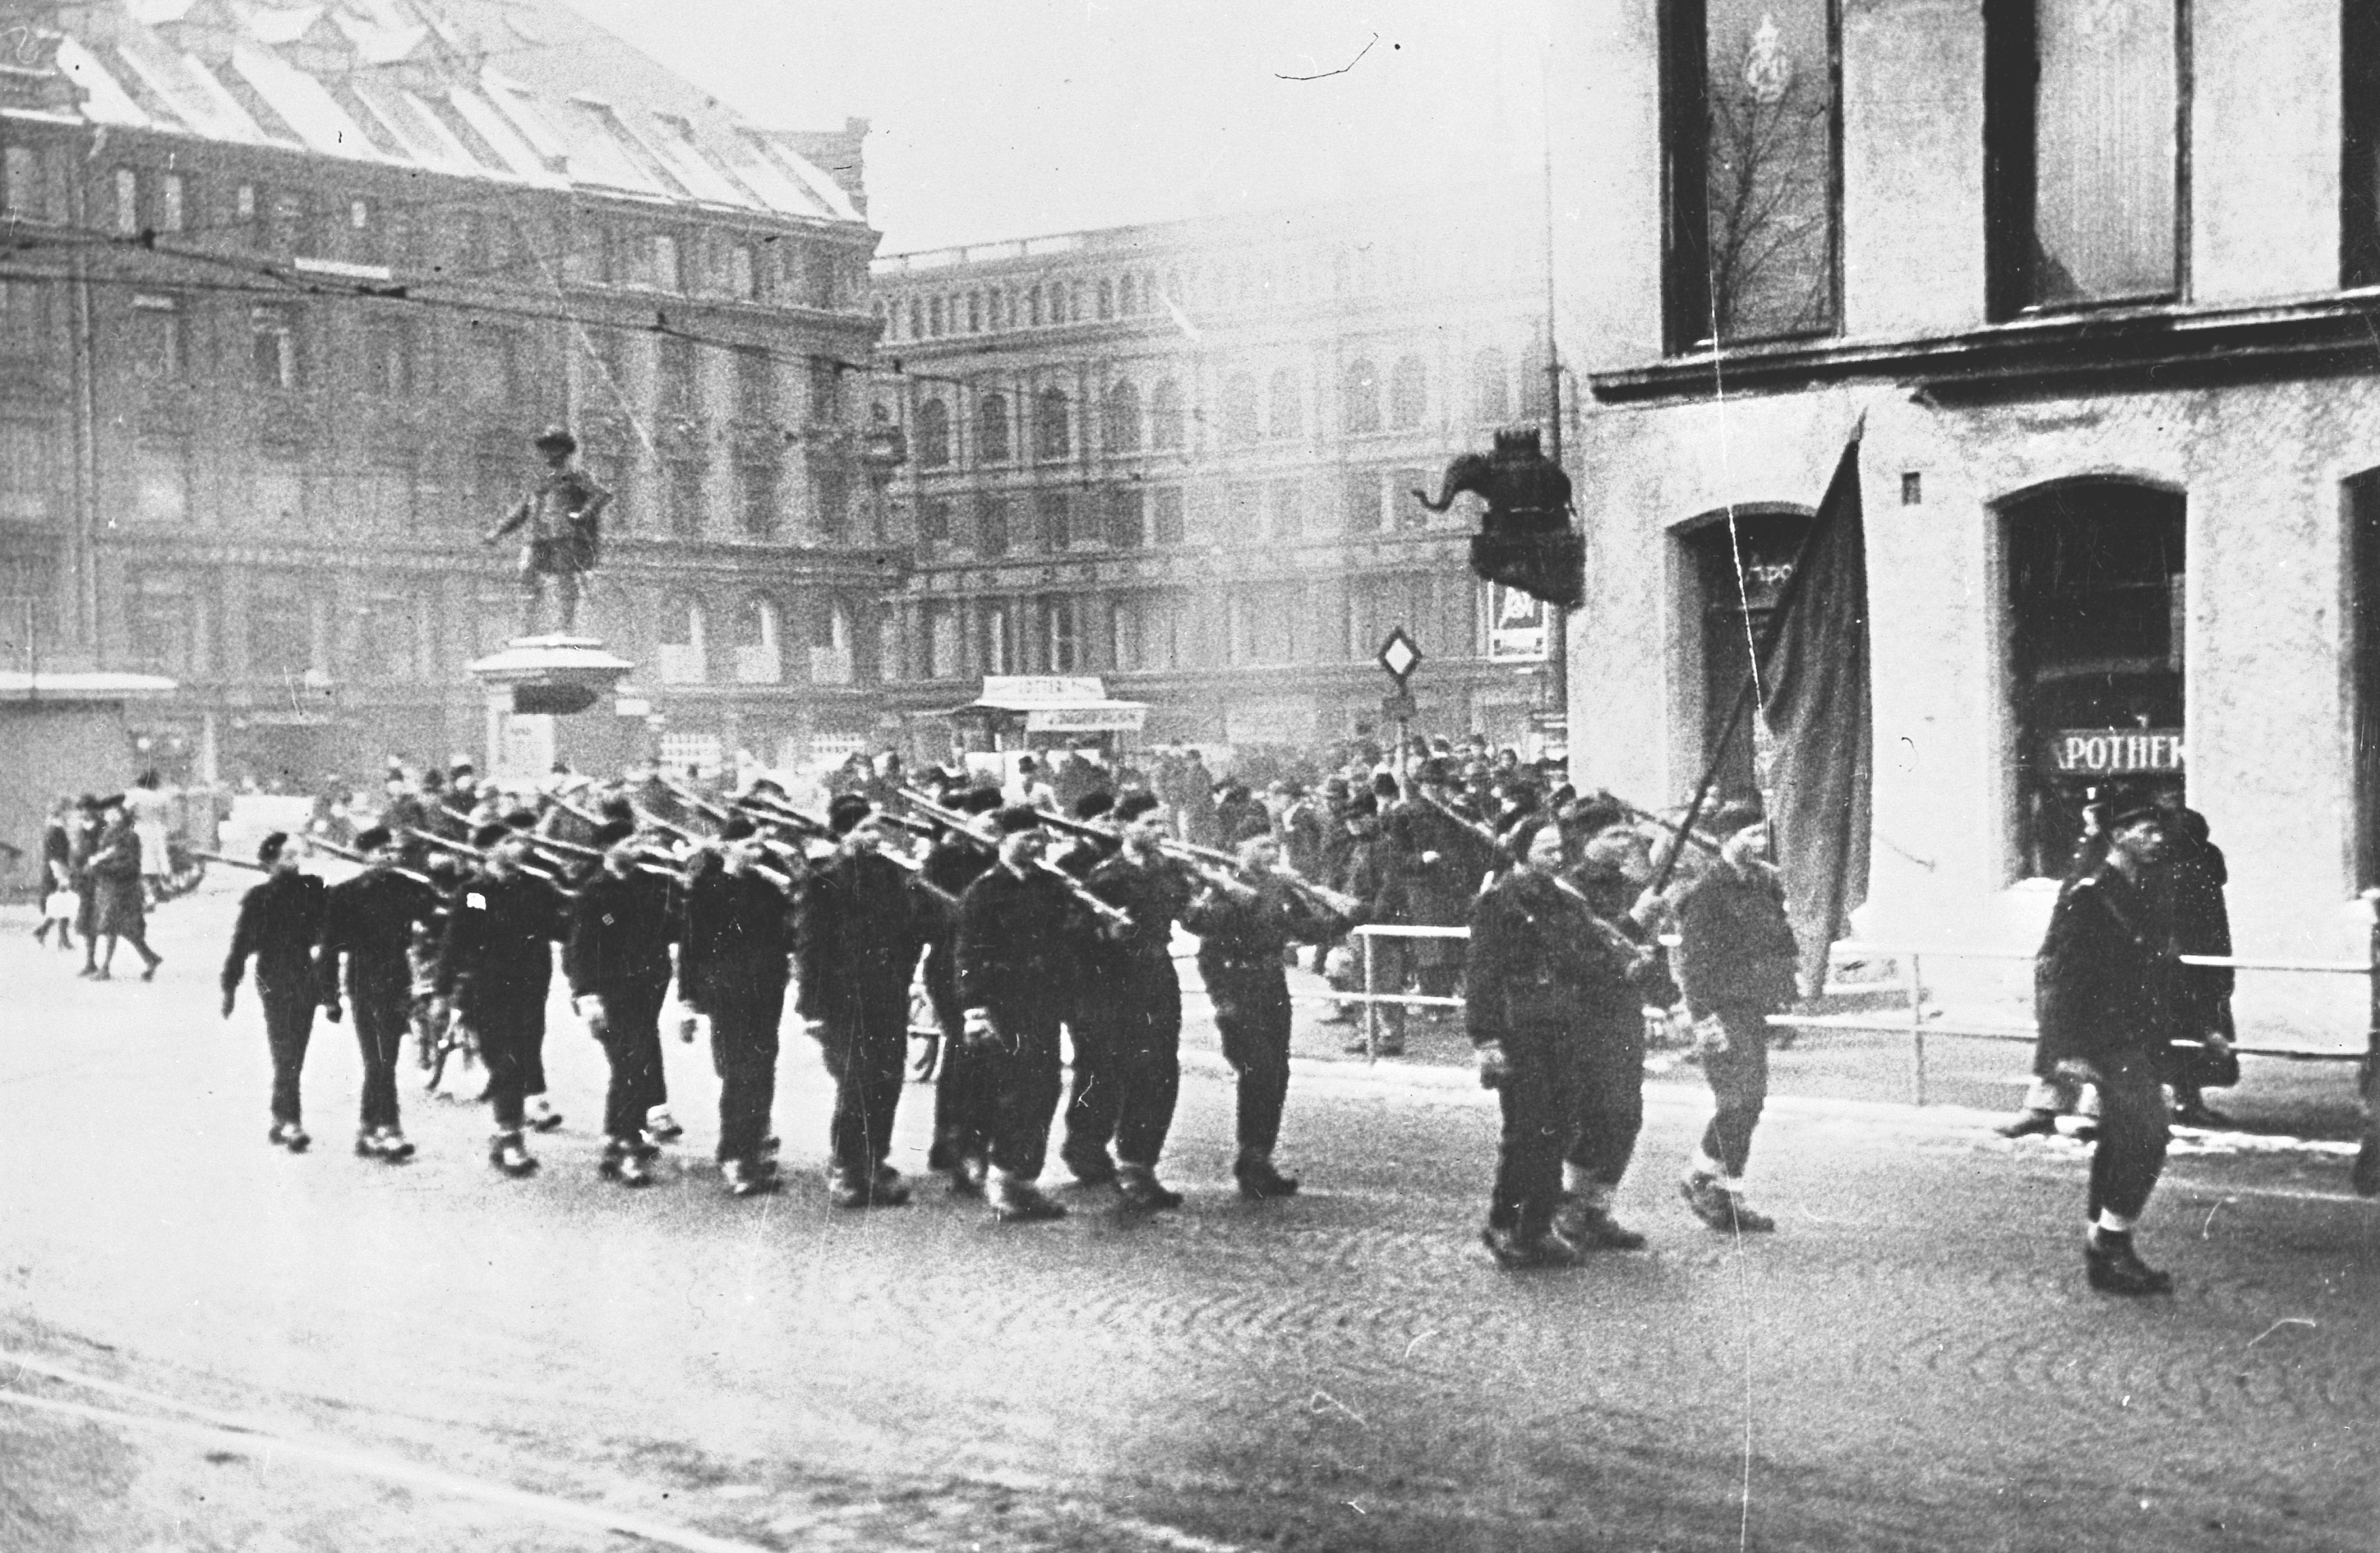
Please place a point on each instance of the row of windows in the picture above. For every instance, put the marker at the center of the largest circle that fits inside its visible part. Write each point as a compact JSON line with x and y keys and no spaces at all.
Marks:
{"x":1231,"y":282}
{"x":1338,"y":619}
{"x":1131,"y":516}
{"x":177,"y":623}
{"x":302,"y":222}
{"x":1246,"y":415}
{"x":2086,"y":132}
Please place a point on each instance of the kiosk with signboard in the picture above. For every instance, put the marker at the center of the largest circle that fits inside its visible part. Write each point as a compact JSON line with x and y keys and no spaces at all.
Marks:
{"x":1017,"y":712}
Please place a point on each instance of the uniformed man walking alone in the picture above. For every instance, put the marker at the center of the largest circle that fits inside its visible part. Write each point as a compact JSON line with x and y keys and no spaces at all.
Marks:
{"x":279,"y":922}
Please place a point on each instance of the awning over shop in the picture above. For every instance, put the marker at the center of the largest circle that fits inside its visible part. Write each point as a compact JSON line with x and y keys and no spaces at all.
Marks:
{"x":20,"y":687}
{"x":1054,"y":704}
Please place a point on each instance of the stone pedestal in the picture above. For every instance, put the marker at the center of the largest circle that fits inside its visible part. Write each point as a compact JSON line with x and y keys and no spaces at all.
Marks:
{"x":535,"y":683}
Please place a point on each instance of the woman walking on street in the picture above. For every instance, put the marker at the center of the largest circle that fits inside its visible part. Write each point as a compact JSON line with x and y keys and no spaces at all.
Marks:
{"x":121,"y":897}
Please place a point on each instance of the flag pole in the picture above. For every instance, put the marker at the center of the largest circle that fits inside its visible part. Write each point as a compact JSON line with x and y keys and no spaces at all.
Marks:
{"x":1774,"y":629}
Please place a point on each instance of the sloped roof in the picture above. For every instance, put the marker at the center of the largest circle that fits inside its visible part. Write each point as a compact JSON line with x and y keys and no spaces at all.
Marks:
{"x":522,"y":92}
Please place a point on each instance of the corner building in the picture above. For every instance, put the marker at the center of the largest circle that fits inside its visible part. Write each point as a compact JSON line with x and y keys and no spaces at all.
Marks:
{"x":1179,"y":457}
{"x":289,"y":289}
{"x":2098,"y":274}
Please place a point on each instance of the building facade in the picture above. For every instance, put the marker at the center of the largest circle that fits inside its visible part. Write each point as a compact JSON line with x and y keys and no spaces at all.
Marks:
{"x":287,"y":290}
{"x":1180,"y":457}
{"x":2096,"y":278}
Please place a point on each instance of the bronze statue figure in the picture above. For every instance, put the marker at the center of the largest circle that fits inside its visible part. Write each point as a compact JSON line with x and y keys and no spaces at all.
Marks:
{"x":565,"y":519}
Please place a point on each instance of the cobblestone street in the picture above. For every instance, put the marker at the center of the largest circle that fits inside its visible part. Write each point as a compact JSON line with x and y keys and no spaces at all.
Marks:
{"x":218,"y":1346}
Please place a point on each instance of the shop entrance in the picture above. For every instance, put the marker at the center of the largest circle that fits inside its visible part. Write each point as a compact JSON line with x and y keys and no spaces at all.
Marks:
{"x":1742,"y":559}
{"x":2096,"y":579}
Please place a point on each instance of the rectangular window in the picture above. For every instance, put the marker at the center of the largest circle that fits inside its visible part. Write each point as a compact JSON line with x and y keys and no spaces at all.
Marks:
{"x":24,"y":318}
{"x":1750,"y":129}
{"x":942,"y":642}
{"x":1127,"y":524}
{"x":163,"y":627}
{"x":831,"y":497}
{"x":25,"y":471}
{"x":2359,"y":226}
{"x":388,"y":357}
{"x":158,"y":349}
{"x":22,"y":196}
{"x":991,"y":526}
{"x":1167,"y":512}
{"x":280,"y":630}
{"x":587,"y":261}
{"x":386,"y":635}
{"x":668,"y":273}
{"x":127,"y":203}
{"x":934,"y":520}
{"x":756,"y":385}
{"x":1285,"y":520}
{"x":743,"y":275}
{"x":2084,"y":131}
{"x":826,"y":392}
{"x":273,"y":347}
{"x":685,"y":499}
{"x":286,"y":227}
{"x":173,"y":203}
{"x":1059,"y":616}
{"x":246,"y":208}
{"x":675,"y":388}
{"x":1359,"y":502}
{"x":1053,"y":516}
{"x":758,"y":485}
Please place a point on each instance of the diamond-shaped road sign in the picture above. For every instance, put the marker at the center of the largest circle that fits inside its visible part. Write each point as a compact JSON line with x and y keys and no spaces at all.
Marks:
{"x":1399,"y":656}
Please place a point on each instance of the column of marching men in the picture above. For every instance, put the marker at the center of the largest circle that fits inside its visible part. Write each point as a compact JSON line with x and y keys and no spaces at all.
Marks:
{"x":1015,"y":935}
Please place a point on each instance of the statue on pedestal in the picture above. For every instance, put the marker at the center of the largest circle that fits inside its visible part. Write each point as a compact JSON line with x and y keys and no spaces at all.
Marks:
{"x":563,"y":519}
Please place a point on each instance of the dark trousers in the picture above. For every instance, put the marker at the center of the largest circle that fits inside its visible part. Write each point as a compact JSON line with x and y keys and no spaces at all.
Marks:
{"x":632,"y":1044}
{"x":1609,"y":1101}
{"x":1538,"y":1098}
{"x":962,"y":1114}
{"x":288,"y":1025}
{"x":866,"y":1055}
{"x":1127,"y":1075}
{"x":1091,"y":1100}
{"x":1252,"y":1016}
{"x":2133,"y":1131}
{"x":1738,"y":1081}
{"x":744,"y":1052}
{"x":1025,"y":1080}
{"x":511,"y":1036}
{"x":382,"y":1013}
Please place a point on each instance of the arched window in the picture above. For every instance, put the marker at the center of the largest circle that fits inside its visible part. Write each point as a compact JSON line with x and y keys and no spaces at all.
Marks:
{"x":1359,"y":396}
{"x":683,"y":651}
{"x":831,"y":639}
{"x":1057,"y":304}
{"x":1054,"y":435}
{"x":1165,"y":416}
{"x":917,"y":321}
{"x":757,"y":661}
{"x":1287,"y":406}
{"x":1119,"y":422}
{"x":1128,"y":297}
{"x":933,"y":434}
{"x":1107,"y":299}
{"x":1033,"y":305}
{"x":991,"y":428}
{"x":1240,"y":422}
{"x":1408,"y":393}
{"x":934,"y":315}
{"x":1491,"y":397}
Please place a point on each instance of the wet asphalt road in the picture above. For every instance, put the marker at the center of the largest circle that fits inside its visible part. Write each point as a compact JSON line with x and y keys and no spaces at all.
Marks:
{"x":215,"y":1345}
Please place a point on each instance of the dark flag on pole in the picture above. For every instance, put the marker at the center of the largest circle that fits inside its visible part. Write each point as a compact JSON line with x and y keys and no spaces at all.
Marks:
{"x":1815,"y":699}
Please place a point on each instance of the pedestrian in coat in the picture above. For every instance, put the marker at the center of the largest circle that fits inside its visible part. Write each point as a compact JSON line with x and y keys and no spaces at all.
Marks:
{"x":1377,"y":877}
{"x":2189,"y":883}
{"x":89,"y":824}
{"x":121,"y":894}
{"x":860,"y":924}
{"x":279,"y":923}
{"x":57,"y":876}
{"x":1736,"y":962}
{"x":2104,"y":988}
{"x":616,"y":956}
{"x":370,"y":923}
{"x":733,"y":968}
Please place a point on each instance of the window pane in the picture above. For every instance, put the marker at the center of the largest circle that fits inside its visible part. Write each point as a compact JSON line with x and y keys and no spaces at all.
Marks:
{"x":24,"y":471}
{"x":2104,"y":121}
{"x":1770,"y":168}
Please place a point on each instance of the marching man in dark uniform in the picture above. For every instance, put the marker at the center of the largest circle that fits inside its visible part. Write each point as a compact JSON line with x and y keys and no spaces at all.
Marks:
{"x":2104,"y":983}
{"x":564,"y":518}
{"x":859,"y":926}
{"x":1539,"y":961}
{"x":1243,"y":936}
{"x":733,"y":966}
{"x":961,"y":1092}
{"x":370,"y":920}
{"x":279,"y":922}
{"x":617,"y":960}
{"x":1019,"y":940}
{"x":1134,"y":1003}
{"x":1091,"y":1024}
{"x":496,"y":965}
{"x":1609,"y":877}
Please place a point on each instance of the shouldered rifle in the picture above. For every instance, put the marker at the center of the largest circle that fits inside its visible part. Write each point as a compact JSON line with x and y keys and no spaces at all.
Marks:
{"x":772,"y":811}
{"x":336,"y":850}
{"x":645,"y":862}
{"x":956,"y":823}
{"x":231,"y":862}
{"x":465,"y":849}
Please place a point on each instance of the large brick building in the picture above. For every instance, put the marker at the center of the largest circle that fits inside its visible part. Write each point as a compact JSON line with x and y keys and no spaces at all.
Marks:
{"x":2098,"y":274}
{"x":287,"y":287}
{"x":1179,"y":457}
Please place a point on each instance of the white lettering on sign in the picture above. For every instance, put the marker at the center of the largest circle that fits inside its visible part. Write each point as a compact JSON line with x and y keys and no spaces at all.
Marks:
{"x":2116,"y":751}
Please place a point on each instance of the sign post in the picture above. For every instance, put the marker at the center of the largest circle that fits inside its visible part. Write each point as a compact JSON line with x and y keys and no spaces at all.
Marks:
{"x":1399,"y":658}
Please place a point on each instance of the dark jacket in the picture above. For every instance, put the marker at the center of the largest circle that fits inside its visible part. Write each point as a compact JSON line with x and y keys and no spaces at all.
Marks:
{"x":738,"y":941}
{"x":1141,"y":958}
{"x":1375,"y":875}
{"x":859,"y":924}
{"x":370,"y":920}
{"x":279,"y":922}
{"x":499,"y":933}
{"x":1540,"y":967}
{"x":1735,"y":951}
{"x":1019,"y":947}
{"x":1240,"y":940}
{"x":2104,"y":981}
{"x":2190,"y":882}
{"x":621,"y":929}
